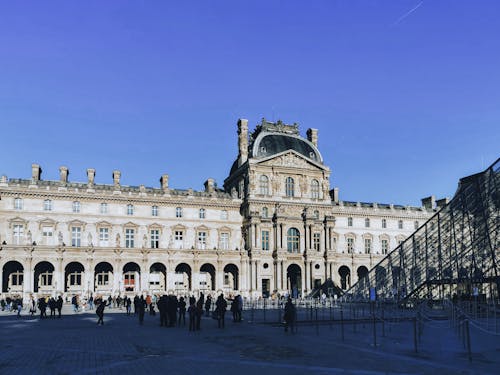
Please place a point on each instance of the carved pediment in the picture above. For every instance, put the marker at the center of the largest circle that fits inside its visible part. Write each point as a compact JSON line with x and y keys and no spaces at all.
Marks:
{"x":19,"y":221}
{"x":291,"y":159}
{"x":103,"y":224}
{"x":76,"y":223}
{"x":47,"y":222}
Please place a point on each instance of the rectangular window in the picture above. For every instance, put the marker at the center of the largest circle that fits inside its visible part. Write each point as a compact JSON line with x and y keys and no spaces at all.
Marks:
{"x":223,"y":215}
{"x":368,"y":245}
{"x":350,"y":245}
{"x":202,"y":240}
{"x":103,"y":237}
{"x":18,"y":204}
{"x":76,"y":207}
{"x":76,"y":236}
{"x":47,"y":235}
{"x":224,"y":241}
{"x":18,"y":234}
{"x":47,"y":205}
{"x":349,"y":221}
{"x":400,"y":224}
{"x":130,"y":209}
{"x":154,"y":211}
{"x":265,"y":240}
{"x":178,"y":212}
{"x":104,"y":208}
{"x":384,"y":223}
{"x":155,"y":238}
{"x":316,"y":241}
{"x":129,"y":238}
{"x":178,"y":237}
{"x":385,"y":246}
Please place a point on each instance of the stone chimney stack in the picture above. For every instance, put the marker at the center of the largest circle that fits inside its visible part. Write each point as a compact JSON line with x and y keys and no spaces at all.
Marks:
{"x":164,"y":182}
{"x":90,"y":176}
{"x":210,"y":185}
{"x":312,"y":136}
{"x":242,"y":141}
{"x":440,"y":203}
{"x":116,"y":178}
{"x":36,"y":173}
{"x":429,"y":202}
{"x":63,"y":174}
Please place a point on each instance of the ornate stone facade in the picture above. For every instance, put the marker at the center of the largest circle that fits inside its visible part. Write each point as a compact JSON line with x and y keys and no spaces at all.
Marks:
{"x":275,"y":227}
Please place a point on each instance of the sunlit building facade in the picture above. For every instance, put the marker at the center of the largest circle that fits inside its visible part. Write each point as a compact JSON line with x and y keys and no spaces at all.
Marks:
{"x":275,"y":227}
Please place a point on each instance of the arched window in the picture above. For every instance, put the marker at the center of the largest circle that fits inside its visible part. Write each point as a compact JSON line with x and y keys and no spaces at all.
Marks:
{"x":289,"y":187}
{"x":265,"y":212}
{"x":293,"y":240}
{"x":202,"y":213}
{"x":314,"y":189}
{"x":264,"y":185}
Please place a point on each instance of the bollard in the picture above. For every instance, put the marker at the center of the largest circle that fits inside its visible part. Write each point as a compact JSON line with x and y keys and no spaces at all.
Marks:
{"x":415,"y":334}
{"x":467,"y":333}
{"x":342,"y":321}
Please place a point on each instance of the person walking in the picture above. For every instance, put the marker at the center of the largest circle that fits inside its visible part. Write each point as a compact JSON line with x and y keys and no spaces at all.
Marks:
{"x":290,"y":315}
{"x":128,"y":305}
{"x":208,"y":304}
{"x":182,"y":312}
{"x":141,"y":309}
{"x":59,"y":305}
{"x":220,"y":308}
{"x":19,"y":306}
{"x":52,"y":307}
{"x":199,"y":311}
{"x":192,"y":315}
{"x":100,"y":310}
{"x":32,"y":306}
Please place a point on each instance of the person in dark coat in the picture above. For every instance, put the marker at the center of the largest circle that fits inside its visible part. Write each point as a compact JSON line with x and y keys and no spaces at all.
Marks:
{"x":141,"y":309}
{"x":220,"y":308}
{"x":162,"y":308}
{"x":42,"y":306}
{"x":128,"y":305}
{"x":290,"y":315}
{"x":52,"y":307}
{"x":182,"y":311}
{"x":192,"y":315}
{"x":59,"y":305}
{"x":208,"y":304}
{"x":100,"y":310}
{"x":199,"y":311}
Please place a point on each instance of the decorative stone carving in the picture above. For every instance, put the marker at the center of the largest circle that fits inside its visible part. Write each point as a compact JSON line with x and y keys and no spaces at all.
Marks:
{"x":144,"y":241}
{"x":89,"y":240}
{"x":60,"y":238}
{"x":117,"y":240}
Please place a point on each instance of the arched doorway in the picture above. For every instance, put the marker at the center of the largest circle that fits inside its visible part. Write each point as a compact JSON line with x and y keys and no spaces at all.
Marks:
{"x":294,"y":280}
{"x":207,"y":277}
{"x":182,"y":280}
{"x":131,"y":277}
{"x":231,"y":278}
{"x":345,"y":277}
{"x":157,"y":277}
{"x":12,"y":277}
{"x":103,"y":277}
{"x":362,"y":272}
{"x":44,"y":278}
{"x":73,"y":277}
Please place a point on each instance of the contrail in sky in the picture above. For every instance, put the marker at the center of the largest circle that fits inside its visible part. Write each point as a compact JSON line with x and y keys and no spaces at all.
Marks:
{"x":408,"y":13}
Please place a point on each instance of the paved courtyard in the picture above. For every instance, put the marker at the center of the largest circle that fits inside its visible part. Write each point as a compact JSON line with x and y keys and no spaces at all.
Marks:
{"x":74,"y":344}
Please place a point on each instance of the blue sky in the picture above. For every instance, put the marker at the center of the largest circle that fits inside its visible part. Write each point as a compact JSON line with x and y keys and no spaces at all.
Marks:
{"x":405,"y":94}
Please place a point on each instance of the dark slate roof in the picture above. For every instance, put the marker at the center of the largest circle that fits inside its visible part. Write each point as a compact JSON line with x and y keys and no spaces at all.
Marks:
{"x":268,"y":144}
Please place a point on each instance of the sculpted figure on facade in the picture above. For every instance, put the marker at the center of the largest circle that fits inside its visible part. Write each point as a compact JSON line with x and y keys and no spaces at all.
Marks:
{"x":117,"y":240}
{"x":144,"y":241}
{"x":89,"y":240}
{"x":60,"y":238}
{"x":29,"y":238}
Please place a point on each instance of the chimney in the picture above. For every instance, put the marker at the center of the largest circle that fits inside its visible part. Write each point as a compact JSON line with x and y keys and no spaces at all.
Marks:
{"x":90,"y":176}
{"x":63,"y":174}
{"x":242,"y":141}
{"x":116,"y":178}
{"x":440,"y":203}
{"x":429,"y":202}
{"x":36,"y":173}
{"x":164,"y":182}
{"x":210,"y":185}
{"x":334,"y":194}
{"x":312,"y":136}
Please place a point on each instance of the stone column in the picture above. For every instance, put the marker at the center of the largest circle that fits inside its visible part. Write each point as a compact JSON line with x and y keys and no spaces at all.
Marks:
{"x":257,"y":275}
{"x":250,"y":273}
{"x":219,"y":277}
{"x":59,"y":277}
{"x":303,"y":282}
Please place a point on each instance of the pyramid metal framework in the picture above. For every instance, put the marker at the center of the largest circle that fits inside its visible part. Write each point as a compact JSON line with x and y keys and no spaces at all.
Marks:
{"x":455,"y":253}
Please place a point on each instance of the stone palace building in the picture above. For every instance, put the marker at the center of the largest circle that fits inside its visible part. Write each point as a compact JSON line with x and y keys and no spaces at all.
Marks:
{"x":275,"y":227}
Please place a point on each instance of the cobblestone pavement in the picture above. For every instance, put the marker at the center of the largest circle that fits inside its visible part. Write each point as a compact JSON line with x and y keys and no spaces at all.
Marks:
{"x":74,"y":344}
